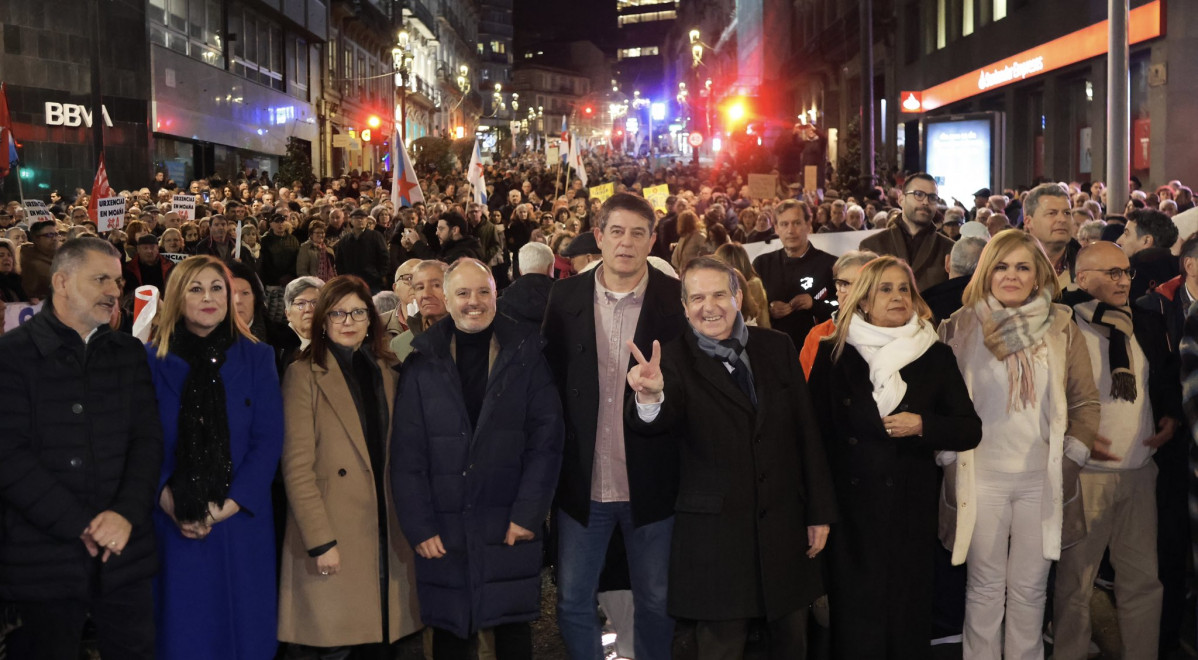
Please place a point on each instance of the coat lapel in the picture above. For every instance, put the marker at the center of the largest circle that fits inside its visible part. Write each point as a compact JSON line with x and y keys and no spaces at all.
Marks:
{"x":717,"y":374}
{"x":331,"y":383}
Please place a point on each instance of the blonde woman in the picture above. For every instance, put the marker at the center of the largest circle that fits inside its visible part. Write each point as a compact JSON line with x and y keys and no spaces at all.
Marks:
{"x":222,"y":423}
{"x":756,"y":307}
{"x":888,"y":395}
{"x":1010,"y":505}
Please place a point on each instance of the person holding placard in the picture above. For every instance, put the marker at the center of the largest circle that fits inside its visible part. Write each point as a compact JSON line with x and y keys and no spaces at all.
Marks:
{"x":148,"y":267}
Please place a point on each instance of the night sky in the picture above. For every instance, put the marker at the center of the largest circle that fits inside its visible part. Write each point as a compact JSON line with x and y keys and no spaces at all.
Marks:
{"x":538,"y":21}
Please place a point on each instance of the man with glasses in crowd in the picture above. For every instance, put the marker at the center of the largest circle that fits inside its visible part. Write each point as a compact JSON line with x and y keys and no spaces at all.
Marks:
{"x":797,"y":278}
{"x":914,"y":237}
{"x":35,"y":259}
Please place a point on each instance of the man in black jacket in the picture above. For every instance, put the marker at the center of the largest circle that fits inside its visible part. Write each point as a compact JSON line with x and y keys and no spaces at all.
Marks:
{"x":363,"y":252}
{"x":797,"y":278}
{"x":456,"y":241}
{"x":80,"y":453}
{"x":526,"y":298}
{"x":751,"y":517}
{"x":612,"y":475}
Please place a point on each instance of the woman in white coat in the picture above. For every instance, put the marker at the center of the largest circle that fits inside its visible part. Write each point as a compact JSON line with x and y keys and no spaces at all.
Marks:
{"x":1010,"y":505}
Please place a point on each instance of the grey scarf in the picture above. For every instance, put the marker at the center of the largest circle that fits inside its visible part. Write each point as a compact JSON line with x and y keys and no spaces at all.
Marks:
{"x":732,"y":351}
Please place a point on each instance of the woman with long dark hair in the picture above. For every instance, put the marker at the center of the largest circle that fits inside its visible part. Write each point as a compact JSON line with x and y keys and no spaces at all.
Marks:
{"x":222,"y":422}
{"x":347,"y":574}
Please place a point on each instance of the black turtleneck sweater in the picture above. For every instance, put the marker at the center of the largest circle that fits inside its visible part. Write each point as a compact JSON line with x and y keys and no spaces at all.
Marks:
{"x":473,"y":356}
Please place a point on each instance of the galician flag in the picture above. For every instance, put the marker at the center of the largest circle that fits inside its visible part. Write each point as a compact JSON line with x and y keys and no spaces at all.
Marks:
{"x":405,"y":187}
{"x":475,"y":175}
{"x":574,"y":159}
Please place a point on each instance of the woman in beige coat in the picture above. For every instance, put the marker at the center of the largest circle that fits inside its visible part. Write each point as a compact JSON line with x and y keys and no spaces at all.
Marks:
{"x":1010,"y":505}
{"x":347,"y":572}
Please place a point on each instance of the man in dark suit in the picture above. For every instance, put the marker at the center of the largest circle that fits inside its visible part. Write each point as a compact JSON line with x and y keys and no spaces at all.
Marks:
{"x":914,"y":238}
{"x":746,"y":512}
{"x":80,"y":454}
{"x":611,"y":475}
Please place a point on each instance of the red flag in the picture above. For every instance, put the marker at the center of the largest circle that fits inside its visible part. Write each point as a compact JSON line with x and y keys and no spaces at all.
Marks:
{"x":100,"y":190}
{"x":8,"y":146}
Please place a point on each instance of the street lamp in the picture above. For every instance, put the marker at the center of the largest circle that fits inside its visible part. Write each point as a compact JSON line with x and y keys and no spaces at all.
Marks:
{"x":696,"y":48}
{"x":401,"y":59}
{"x":515,"y":102}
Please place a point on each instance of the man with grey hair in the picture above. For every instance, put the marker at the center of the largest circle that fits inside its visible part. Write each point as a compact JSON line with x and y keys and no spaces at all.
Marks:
{"x":1047,"y":217}
{"x":428,"y":292}
{"x":954,"y":217}
{"x":854,"y":217}
{"x":395,"y":322}
{"x":719,"y":382}
{"x":80,"y":455}
{"x":945,"y":298}
{"x":525,"y":299}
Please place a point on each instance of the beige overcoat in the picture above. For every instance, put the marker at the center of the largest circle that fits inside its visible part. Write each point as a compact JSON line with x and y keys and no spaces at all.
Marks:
{"x":331,"y":496}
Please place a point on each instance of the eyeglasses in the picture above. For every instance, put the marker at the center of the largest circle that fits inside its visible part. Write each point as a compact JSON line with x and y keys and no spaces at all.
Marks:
{"x":51,"y":234}
{"x":406,"y":279}
{"x":1114,"y":273}
{"x":922,"y":196}
{"x":842,"y":285}
{"x":303,"y":305}
{"x":358,"y":315}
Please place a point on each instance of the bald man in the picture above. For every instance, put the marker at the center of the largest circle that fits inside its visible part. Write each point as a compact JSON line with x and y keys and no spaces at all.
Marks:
{"x":396,"y":320}
{"x":1140,"y":393}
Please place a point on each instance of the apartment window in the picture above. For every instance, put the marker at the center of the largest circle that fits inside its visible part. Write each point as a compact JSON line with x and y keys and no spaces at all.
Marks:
{"x":498,"y":47}
{"x":648,"y":17}
{"x":297,"y":68}
{"x":1000,"y":9}
{"x":482,"y":48}
{"x":967,"y":18}
{"x":190,"y":27}
{"x":941,"y":20}
{"x":258,"y":49}
{"x":644,"y":51}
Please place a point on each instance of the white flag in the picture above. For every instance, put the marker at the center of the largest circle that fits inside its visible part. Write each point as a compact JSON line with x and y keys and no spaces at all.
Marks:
{"x":574,"y":159}
{"x":475,"y":176}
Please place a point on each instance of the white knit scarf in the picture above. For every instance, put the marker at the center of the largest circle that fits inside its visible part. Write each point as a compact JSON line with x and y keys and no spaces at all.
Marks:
{"x":886,"y":350}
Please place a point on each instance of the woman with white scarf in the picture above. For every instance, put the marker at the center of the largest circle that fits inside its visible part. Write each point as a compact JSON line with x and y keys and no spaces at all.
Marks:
{"x":1010,"y":505}
{"x":889,"y":396}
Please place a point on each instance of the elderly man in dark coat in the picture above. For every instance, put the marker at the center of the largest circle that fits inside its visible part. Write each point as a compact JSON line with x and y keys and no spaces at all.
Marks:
{"x":477,"y":446}
{"x":80,"y":452}
{"x":756,"y":498}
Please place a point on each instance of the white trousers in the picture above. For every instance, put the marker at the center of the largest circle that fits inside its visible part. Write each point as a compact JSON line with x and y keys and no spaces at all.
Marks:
{"x":1006,"y":568}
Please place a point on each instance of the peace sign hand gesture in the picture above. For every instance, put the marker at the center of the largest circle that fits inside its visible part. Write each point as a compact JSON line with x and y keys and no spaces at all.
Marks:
{"x":645,"y":377}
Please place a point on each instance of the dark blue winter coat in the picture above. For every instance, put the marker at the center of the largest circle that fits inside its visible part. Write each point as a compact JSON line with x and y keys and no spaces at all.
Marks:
{"x":467,"y":484}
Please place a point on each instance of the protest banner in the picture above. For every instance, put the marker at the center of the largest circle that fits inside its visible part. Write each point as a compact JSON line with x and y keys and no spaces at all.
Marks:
{"x":810,"y":178}
{"x":763,"y":186}
{"x":553,"y":151}
{"x":602,"y":192}
{"x":16,"y":314}
{"x":175,"y":257}
{"x":185,"y":206}
{"x":110,"y":213}
{"x":657,"y":196}
{"x":36,"y":211}
{"x":834,"y":243}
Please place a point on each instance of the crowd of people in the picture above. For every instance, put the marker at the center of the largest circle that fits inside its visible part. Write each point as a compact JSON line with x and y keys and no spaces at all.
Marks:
{"x":353,"y":421}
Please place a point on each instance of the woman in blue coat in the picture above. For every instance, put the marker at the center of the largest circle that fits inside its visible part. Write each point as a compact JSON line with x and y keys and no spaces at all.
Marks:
{"x":476,"y":452}
{"x":222,"y":418}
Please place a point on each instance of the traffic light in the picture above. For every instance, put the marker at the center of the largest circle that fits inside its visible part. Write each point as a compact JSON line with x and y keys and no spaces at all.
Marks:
{"x":373,"y":122}
{"x":736,"y":111}
{"x":588,"y":111}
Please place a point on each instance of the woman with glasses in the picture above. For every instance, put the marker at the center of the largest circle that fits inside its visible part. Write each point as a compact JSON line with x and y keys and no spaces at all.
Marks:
{"x":347,"y":573}
{"x":888,"y":396}
{"x":222,"y":423}
{"x":44,"y":238}
{"x":1011,"y":505}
